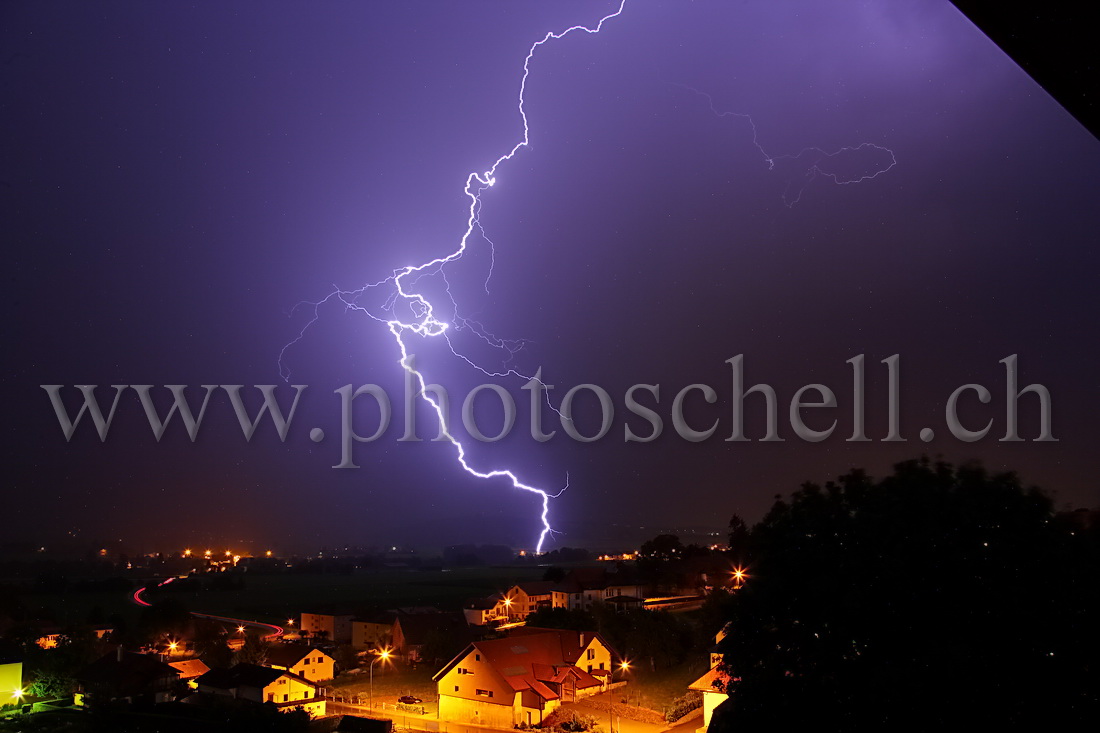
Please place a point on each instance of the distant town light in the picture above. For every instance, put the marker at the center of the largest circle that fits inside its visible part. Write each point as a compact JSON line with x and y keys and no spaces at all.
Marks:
{"x":187,"y":552}
{"x":268,"y":553}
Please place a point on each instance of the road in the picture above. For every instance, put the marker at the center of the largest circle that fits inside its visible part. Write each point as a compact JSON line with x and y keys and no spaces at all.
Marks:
{"x":276,"y":631}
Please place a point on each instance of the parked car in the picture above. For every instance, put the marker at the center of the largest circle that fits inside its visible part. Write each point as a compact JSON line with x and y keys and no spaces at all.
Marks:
{"x":409,"y":700}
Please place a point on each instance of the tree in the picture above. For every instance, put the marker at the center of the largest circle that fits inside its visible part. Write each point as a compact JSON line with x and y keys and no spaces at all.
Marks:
{"x":662,"y":547}
{"x":253,"y":651}
{"x":937,"y":596}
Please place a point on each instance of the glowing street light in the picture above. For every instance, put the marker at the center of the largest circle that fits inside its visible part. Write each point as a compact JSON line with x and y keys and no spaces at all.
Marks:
{"x":240,"y":629}
{"x":624,"y":666}
{"x":18,"y":694}
{"x":173,"y":646}
{"x":383,"y":654}
{"x":187,"y":552}
{"x":739,"y":576}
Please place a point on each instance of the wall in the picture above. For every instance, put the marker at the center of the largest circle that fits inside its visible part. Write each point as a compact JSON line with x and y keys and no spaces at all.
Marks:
{"x":11,"y":679}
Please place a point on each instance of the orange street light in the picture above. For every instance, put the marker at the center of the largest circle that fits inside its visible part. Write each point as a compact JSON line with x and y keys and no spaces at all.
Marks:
{"x":240,"y":629}
{"x":382,"y":654}
{"x":172,"y":646}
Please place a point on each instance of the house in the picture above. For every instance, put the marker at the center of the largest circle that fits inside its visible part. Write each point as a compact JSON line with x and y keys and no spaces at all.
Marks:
{"x":11,"y":674}
{"x":127,"y":676}
{"x":522,"y":678}
{"x":484,"y":611}
{"x":375,"y":632}
{"x":52,"y":635}
{"x":414,"y":632}
{"x":328,"y":626}
{"x":303,"y":660}
{"x":190,"y":670}
{"x":583,"y":587}
{"x":285,"y":690}
{"x":523,"y":599}
{"x":713,"y":684}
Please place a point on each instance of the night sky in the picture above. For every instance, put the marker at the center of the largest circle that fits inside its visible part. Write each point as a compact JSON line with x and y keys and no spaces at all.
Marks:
{"x":175,"y":179}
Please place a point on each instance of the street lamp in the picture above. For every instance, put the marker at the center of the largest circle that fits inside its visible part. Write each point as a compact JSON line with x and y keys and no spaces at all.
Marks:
{"x":624,"y":666}
{"x":383,"y":654}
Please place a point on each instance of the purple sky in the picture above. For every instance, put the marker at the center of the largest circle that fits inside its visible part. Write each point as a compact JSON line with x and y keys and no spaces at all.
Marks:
{"x":174,"y":179}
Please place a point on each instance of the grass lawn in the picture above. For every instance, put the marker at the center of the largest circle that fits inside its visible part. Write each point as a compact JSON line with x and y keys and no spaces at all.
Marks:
{"x":391,"y":681}
{"x":657,"y":690}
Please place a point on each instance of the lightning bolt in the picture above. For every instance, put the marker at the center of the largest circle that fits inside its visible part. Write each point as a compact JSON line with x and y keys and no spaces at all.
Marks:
{"x":815,"y":154}
{"x":421,"y":319}
{"x":420,"y":316}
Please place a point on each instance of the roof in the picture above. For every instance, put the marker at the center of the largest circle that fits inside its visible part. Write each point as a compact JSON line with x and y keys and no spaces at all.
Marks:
{"x":537,"y":587}
{"x":706,"y":683}
{"x":245,"y":675}
{"x":530,"y":660}
{"x":573,"y":643}
{"x":287,"y":655}
{"x":190,"y":668}
{"x":126,"y":672}
{"x":417,"y":628}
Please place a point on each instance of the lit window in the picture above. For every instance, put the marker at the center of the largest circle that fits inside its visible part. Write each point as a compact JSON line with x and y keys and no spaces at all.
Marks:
{"x":485,"y":693}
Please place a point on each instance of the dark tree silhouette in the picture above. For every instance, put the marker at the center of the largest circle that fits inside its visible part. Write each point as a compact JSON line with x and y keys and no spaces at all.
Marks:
{"x":934,"y":597}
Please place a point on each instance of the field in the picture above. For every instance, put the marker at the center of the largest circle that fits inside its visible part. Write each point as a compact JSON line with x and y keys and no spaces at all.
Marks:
{"x":275,"y":598}
{"x":391,"y":681}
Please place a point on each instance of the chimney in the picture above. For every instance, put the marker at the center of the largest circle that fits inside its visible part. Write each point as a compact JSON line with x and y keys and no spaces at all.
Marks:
{"x":118,"y":653}
{"x":580,"y":640}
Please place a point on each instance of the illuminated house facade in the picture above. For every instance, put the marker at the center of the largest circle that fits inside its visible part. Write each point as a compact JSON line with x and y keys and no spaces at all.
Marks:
{"x":713,"y":684}
{"x":303,"y":660}
{"x":526,"y":598}
{"x":286,"y":690}
{"x":328,"y":626}
{"x":11,"y":675}
{"x":522,"y":678}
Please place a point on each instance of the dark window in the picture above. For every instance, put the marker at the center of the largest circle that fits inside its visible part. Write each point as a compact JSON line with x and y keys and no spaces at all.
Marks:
{"x":477,"y":657}
{"x":456,"y":688}
{"x":485,"y":693}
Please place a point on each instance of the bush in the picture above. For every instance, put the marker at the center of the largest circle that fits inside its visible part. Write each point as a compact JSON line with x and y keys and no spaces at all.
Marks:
{"x":683,"y":705}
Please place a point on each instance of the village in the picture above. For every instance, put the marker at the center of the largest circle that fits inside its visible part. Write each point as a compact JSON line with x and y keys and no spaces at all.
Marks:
{"x":622,"y":643}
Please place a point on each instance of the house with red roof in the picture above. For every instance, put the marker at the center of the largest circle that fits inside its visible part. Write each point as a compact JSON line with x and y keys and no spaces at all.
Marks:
{"x":522,"y":678}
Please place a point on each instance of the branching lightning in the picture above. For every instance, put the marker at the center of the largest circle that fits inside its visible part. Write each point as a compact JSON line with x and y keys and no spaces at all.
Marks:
{"x":424,"y":322}
{"x":816,"y":155}
{"x":420,"y":319}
